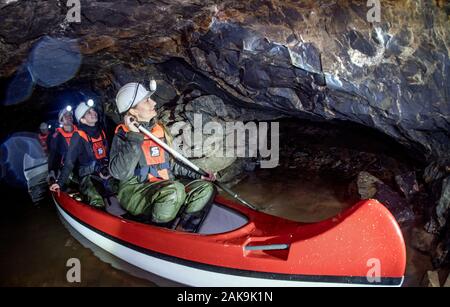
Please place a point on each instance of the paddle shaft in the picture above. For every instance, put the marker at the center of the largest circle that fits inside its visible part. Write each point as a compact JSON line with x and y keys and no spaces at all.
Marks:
{"x":187,"y":162}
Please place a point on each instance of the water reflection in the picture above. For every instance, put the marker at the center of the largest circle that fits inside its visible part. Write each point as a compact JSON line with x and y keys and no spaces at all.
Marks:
{"x":295,"y":196}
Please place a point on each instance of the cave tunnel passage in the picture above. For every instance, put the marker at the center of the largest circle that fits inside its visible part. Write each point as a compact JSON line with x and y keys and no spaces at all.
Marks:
{"x":324,"y":167}
{"x":319,"y":166}
{"x":319,"y":161}
{"x":314,"y":180}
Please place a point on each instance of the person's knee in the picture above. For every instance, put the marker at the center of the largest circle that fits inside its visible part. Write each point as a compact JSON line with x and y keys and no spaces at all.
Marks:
{"x":97,"y":202}
{"x":91,"y":194}
{"x":168,"y":201}
{"x":208,"y":190}
{"x":178,"y":186}
{"x":93,"y":198}
{"x":201,"y":194}
{"x":209,"y":187}
{"x":201,"y":186}
{"x":174,"y":191}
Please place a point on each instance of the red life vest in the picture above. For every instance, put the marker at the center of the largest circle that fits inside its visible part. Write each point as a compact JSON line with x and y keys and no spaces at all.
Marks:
{"x":156,"y":166}
{"x":43,"y":141}
{"x":98,"y":144}
{"x":67,"y":135}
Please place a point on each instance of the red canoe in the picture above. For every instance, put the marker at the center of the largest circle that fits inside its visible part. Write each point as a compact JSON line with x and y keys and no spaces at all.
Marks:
{"x":237,"y":246}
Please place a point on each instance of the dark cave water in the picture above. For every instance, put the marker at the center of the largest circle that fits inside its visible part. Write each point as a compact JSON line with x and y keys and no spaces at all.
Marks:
{"x":36,"y":245}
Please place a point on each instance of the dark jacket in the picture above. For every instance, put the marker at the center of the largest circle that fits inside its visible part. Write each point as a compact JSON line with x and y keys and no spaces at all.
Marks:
{"x":126,"y":153}
{"x":58,"y":150}
{"x":81,"y":155}
{"x":46,"y":143}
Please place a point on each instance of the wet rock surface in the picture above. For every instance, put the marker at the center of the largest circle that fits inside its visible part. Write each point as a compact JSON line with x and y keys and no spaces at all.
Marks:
{"x":408,"y":184}
{"x":371,"y":187}
{"x":447,"y":282}
{"x":431,"y":279}
{"x":188,"y":121}
{"x":314,"y":58}
{"x":422,"y":240}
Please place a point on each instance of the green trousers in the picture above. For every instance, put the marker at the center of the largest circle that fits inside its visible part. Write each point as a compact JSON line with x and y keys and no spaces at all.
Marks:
{"x":162,"y":200}
{"x":89,"y":191}
{"x":93,"y":190}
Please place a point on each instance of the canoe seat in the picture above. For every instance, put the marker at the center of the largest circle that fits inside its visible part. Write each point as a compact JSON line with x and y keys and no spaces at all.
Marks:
{"x":218,"y":219}
{"x":221,"y":219}
{"x":113,"y":207}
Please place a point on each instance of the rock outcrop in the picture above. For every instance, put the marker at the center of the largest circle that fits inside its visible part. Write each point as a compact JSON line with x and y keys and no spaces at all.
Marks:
{"x":316,"y":59}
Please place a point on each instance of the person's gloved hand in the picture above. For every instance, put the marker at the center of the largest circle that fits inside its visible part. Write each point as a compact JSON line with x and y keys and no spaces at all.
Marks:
{"x":51,"y":178}
{"x":102,"y":169}
{"x":55,"y":188}
{"x":104,"y":172}
{"x":129,"y":124}
{"x":211,"y":177}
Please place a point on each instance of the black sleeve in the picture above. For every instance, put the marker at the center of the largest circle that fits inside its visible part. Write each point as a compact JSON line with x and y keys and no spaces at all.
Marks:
{"x":49,"y":141}
{"x":71,"y":158}
{"x":180,"y":170}
{"x":125,"y":154}
{"x":54,"y":156}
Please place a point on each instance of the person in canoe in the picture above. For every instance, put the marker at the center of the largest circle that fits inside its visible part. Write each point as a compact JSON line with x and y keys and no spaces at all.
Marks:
{"x":89,"y":148}
{"x":44,"y":137}
{"x":60,"y":142}
{"x":145,"y":170}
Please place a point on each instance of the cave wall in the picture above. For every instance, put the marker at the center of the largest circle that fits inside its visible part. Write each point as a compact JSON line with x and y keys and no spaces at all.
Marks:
{"x":313,"y":59}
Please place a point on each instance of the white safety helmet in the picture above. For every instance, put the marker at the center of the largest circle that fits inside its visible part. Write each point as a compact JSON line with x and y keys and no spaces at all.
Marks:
{"x":43,"y":126}
{"x":67,"y":109}
{"x":131,"y":94}
{"x":82,"y":108}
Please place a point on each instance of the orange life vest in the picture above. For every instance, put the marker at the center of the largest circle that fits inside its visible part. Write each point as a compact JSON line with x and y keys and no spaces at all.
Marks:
{"x":98,"y":145}
{"x":67,"y":135}
{"x":156,"y":166}
{"x":43,"y":140}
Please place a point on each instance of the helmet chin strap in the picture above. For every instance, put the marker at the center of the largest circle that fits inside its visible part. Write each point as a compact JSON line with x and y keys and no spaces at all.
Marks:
{"x":152,"y":89}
